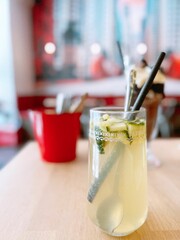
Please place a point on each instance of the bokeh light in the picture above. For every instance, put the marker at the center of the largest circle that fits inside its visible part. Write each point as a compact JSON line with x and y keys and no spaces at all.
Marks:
{"x":95,"y":48}
{"x":50,"y":48}
{"x":141,"y":48}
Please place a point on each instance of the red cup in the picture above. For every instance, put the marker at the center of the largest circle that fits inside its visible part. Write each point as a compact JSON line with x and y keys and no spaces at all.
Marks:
{"x":56,"y":134}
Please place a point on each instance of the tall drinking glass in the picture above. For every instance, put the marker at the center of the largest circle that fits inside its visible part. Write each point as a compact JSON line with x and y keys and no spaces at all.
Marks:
{"x":117,"y":178}
{"x":152,"y":105}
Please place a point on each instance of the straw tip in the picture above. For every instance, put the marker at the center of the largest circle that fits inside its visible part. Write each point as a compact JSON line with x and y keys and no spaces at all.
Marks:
{"x":163,"y":53}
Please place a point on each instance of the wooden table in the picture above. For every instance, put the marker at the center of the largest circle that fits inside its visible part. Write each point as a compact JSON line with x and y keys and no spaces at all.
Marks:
{"x":45,"y":201}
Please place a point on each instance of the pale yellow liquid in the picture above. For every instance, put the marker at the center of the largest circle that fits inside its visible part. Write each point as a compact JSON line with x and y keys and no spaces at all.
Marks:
{"x":126,"y":183}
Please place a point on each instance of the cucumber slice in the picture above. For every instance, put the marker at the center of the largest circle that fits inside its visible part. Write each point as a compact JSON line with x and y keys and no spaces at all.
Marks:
{"x":105,"y":117}
{"x":112,"y":125}
{"x":137,"y":131}
{"x":104,"y":125}
{"x":127,"y":132}
{"x":119,"y":132}
{"x":117,"y":127}
{"x":123,"y":137}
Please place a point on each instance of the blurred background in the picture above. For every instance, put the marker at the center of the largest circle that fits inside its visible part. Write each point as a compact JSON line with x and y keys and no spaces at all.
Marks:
{"x":52,"y":46}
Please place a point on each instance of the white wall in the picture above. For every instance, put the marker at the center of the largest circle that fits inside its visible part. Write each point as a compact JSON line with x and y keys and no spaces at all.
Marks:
{"x":8,"y":107}
{"x":16,"y":59}
{"x":22,"y":40}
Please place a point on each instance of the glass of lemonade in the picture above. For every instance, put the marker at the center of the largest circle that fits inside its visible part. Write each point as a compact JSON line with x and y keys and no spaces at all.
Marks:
{"x":117,"y":170}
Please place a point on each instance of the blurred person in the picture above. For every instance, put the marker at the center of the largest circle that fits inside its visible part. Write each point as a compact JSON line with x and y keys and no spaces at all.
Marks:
{"x":70,"y":50}
{"x":102,"y":67}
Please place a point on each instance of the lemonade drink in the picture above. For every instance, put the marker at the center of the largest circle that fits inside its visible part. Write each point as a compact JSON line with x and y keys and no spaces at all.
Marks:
{"x":117,"y":194}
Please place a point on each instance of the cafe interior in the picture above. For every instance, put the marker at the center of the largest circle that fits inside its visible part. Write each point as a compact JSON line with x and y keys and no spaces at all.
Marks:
{"x":50,"y":47}
{"x":82,"y":52}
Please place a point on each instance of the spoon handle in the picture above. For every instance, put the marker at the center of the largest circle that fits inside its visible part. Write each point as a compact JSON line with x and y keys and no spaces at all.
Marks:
{"x":130,"y":89}
{"x":94,"y":188}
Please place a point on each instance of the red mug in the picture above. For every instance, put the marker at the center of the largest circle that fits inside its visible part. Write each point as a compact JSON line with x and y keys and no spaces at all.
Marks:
{"x":56,"y":134}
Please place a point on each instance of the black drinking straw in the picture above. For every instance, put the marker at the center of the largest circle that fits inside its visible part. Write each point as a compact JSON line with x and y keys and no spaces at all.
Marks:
{"x":121,"y":55}
{"x":147,"y":85}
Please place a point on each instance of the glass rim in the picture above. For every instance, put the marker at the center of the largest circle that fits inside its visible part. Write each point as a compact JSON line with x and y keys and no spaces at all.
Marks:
{"x":115,"y":109}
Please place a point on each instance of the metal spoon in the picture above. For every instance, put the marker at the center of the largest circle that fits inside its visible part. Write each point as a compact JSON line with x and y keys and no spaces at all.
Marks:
{"x":110,"y":212}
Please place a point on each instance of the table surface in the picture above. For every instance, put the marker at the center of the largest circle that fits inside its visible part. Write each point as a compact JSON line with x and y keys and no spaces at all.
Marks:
{"x":40,"y":200}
